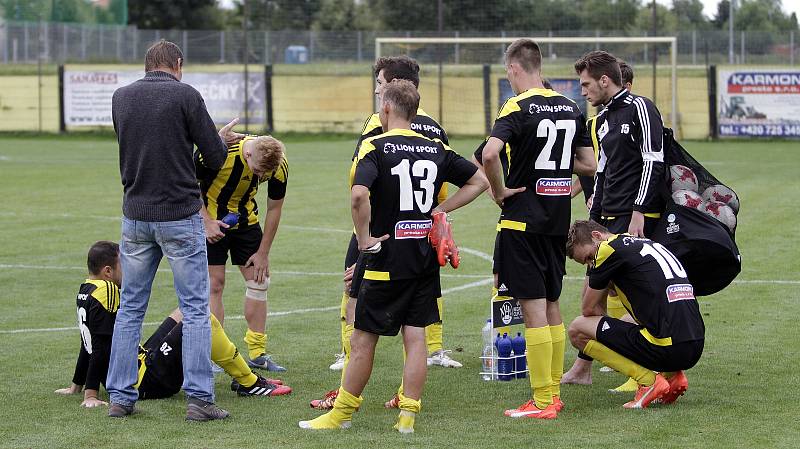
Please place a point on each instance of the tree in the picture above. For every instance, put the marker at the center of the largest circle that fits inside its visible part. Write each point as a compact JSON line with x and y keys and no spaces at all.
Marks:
{"x":689,"y":14}
{"x":720,"y":20}
{"x":343,"y":15}
{"x":609,"y":15}
{"x":172,"y":14}
{"x":277,"y":14}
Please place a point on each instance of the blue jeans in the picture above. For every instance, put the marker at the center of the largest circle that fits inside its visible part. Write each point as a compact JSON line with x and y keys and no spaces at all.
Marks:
{"x":142,"y":247}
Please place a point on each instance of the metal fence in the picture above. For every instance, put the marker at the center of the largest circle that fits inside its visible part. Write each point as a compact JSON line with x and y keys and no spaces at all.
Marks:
{"x":47,"y":42}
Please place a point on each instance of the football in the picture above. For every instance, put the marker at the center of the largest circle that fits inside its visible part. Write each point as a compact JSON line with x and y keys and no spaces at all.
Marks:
{"x":721,"y":212}
{"x":682,"y":177}
{"x":723,"y":195}
{"x":688,"y":198}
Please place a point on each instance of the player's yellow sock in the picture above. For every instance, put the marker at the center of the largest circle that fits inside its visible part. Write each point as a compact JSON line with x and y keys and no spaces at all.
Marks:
{"x":340,"y":416}
{"x":408,"y":414}
{"x":640,"y":374}
{"x":348,"y":332}
{"x":225,"y":354}
{"x":433,"y":332}
{"x":557,"y":369}
{"x":614,"y":307}
{"x":256,"y":343}
{"x":539,"y":343}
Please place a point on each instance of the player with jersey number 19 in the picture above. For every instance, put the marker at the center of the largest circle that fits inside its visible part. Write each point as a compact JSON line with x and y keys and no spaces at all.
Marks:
{"x":664,"y":331}
{"x":538,"y":139}
{"x":397,"y":176}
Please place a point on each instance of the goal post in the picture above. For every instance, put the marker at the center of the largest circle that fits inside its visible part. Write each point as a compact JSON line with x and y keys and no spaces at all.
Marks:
{"x":415,"y":44}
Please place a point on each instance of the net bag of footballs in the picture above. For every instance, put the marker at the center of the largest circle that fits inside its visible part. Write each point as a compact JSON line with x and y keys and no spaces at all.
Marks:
{"x":699,"y":223}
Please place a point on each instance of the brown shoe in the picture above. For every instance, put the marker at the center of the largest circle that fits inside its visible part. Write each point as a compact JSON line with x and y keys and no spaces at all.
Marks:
{"x":200,"y":410}
{"x":120,"y":411}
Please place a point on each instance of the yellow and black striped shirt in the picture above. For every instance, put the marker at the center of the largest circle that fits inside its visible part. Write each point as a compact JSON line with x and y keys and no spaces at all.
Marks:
{"x":233,"y":188}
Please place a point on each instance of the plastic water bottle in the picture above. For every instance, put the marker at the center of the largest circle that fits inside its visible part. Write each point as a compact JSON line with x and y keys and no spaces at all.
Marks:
{"x":489,"y":360}
{"x":520,"y":363}
{"x":505,"y":364}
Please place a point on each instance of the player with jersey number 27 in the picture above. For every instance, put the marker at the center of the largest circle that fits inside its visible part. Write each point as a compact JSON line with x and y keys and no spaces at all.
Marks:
{"x":538,"y":140}
{"x":398,"y":175}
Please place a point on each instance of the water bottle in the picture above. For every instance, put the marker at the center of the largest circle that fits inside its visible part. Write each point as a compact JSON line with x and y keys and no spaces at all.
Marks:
{"x":489,"y":360}
{"x":518,"y":344}
{"x":505,"y":364}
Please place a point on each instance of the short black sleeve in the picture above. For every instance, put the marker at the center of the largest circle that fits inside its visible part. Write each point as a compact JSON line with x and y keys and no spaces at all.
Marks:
{"x":479,"y":152}
{"x":366,"y":169}
{"x":460,"y":169}
{"x":507,"y":123}
{"x":582,"y":138}
{"x":606,"y":266}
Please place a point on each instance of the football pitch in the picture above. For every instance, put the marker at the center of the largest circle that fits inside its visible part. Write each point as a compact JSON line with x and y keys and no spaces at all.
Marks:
{"x":60,"y":194}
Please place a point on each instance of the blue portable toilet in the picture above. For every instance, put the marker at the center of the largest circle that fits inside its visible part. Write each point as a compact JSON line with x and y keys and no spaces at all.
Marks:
{"x":296,"y":54}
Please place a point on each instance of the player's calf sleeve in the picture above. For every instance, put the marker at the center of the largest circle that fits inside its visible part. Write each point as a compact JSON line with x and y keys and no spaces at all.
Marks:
{"x":345,"y":405}
{"x":225,"y":354}
{"x":433,"y":332}
{"x":256,"y":343}
{"x":409,"y":404}
{"x":558,"y":336}
{"x":346,"y":334}
{"x":539,"y":343}
{"x":640,"y":374}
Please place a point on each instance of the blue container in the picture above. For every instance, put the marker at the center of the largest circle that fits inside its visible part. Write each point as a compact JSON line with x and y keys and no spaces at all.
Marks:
{"x":296,"y":54}
{"x":231,"y":219}
{"x":520,"y":363}
{"x":505,"y":364}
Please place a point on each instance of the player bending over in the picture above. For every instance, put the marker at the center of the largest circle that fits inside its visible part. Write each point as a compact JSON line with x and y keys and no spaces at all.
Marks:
{"x":232,"y":189}
{"x":398,"y":175}
{"x":663,"y":332}
{"x":160,"y":363}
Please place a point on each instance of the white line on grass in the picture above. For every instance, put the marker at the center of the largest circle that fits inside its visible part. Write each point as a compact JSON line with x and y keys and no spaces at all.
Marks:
{"x":241,"y":317}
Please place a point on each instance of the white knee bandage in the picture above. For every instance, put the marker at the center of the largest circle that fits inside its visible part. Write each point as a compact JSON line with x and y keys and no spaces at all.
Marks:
{"x":256,"y":291}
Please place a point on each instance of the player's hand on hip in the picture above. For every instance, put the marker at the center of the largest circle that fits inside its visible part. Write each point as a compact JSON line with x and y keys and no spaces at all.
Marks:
{"x":227,"y":135}
{"x":500,"y":197}
{"x":260,"y":263}
{"x":348,"y":277}
{"x":589,"y":202}
{"x":214,"y":230}
{"x":636,"y":227}
{"x":93,"y":402}
{"x":371,"y":244}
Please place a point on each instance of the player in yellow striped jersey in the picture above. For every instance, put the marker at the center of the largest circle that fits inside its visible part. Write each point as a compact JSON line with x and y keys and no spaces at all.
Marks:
{"x":250,"y":162}
{"x":387,"y":69}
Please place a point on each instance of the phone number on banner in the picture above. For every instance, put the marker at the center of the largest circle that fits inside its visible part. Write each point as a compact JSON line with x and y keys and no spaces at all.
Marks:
{"x":780,"y":130}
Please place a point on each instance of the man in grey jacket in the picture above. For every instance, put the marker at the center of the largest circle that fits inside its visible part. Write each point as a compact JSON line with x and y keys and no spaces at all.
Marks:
{"x":158,"y":121}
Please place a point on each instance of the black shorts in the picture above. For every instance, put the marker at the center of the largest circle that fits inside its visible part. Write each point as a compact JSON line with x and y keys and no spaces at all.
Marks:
{"x":163,"y":356}
{"x":352,"y":252}
{"x":528,"y":265}
{"x":619,"y":224}
{"x":625,"y":339}
{"x":383,"y":307}
{"x":242,"y":243}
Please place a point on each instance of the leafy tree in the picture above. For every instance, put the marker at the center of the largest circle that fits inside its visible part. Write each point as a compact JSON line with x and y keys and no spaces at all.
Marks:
{"x":609,"y":15}
{"x":277,"y":14}
{"x":689,"y":14}
{"x":174,"y":14}
{"x":343,"y":15}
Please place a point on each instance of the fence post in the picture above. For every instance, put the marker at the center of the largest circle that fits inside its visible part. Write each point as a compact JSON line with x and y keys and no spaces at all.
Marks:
{"x":5,"y":44}
{"x":646,"y":47}
{"x":62,"y":126}
{"x":457,"y":50}
{"x":359,"y":46}
{"x":46,"y":41}
{"x":502,"y":46}
{"x":712,"y":101}
{"x":310,"y":46}
{"x":119,"y":43}
{"x":549,"y":45}
{"x":742,"y":47}
{"x":83,"y":42}
{"x":100,"y":39}
{"x":266,"y":48}
{"x":791,"y":47}
{"x":185,"y":44}
{"x":64,"y":40}
{"x":222,"y":46}
{"x":25,"y":41}
{"x":135,"y":43}
{"x":597,"y":42}
{"x":487,"y":98}
{"x":694,"y":47}
{"x":269,"y":121}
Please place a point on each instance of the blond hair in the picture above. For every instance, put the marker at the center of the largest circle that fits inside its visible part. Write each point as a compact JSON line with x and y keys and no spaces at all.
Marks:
{"x":268,"y":152}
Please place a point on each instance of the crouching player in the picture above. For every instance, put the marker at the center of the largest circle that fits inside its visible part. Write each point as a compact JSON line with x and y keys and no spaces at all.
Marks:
{"x":663,"y":332}
{"x":160,"y":362}
{"x":398,"y":175}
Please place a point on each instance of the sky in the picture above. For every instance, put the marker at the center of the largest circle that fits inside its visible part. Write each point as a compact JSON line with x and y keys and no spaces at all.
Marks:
{"x":709,"y":6}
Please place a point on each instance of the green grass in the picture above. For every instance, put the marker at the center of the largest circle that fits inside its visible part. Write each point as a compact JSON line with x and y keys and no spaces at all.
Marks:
{"x":60,"y":195}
